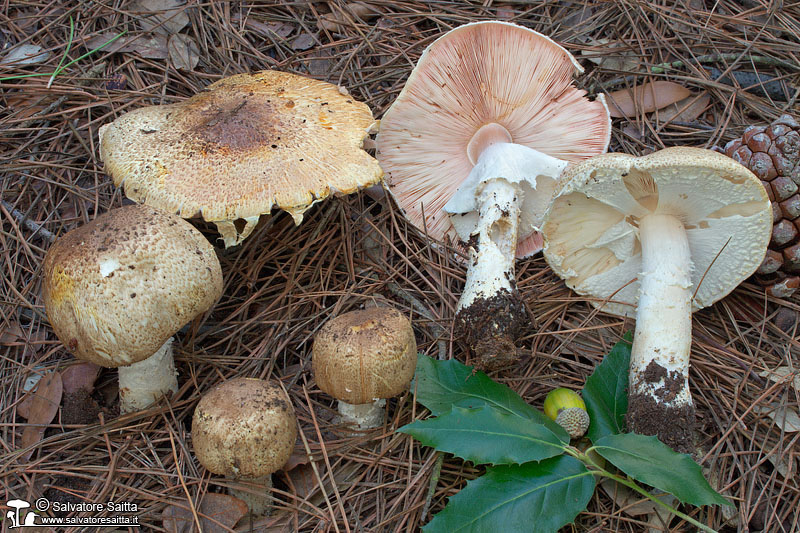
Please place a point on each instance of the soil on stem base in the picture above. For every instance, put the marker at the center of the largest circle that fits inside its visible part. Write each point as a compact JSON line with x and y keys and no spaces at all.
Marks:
{"x":489,"y":328}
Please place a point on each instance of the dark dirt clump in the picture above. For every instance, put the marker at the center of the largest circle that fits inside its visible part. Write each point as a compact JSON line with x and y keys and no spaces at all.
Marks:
{"x":673,"y":426}
{"x":489,"y":328}
{"x":79,"y":408}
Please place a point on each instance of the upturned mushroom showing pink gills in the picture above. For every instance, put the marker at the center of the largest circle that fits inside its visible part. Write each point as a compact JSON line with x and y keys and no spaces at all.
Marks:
{"x":658,"y":237}
{"x":473,"y":148}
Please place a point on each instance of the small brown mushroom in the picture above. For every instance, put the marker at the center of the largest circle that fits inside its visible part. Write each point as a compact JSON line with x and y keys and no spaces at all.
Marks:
{"x":245,"y":429}
{"x":362,"y":357}
{"x":117,"y":289}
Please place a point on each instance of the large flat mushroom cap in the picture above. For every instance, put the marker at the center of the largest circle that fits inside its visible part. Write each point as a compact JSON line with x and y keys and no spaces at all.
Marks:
{"x":478,"y":84}
{"x":244,"y":427}
{"x":241,"y":147}
{"x":591,"y":229}
{"x":117,"y":288}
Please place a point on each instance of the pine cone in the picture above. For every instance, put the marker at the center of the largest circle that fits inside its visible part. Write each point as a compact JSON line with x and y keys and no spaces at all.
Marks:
{"x":773,"y":154}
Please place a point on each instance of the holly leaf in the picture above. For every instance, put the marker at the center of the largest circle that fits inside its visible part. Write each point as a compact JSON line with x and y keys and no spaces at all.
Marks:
{"x":606,"y":392}
{"x":650,"y":461}
{"x":515,"y":499}
{"x":440,"y":385}
{"x":487,"y":435}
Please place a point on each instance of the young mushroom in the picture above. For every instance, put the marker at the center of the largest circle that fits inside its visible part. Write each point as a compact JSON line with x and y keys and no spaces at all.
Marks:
{"x":362,"y":357}
{"x":658,"y":237}
{"x":117,"y":289}
{"x":473,"y":148}
{"x":241,"y":147}
{"x":245,"y":429}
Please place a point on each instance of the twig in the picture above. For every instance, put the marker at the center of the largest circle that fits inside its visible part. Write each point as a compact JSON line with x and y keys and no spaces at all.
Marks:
{"x":27,"y":222}
{"x":437,"y":470}
{"x":716,"y":58}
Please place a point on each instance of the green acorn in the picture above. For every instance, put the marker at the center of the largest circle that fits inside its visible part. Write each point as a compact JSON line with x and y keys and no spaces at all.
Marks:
{"x":568,"y":410}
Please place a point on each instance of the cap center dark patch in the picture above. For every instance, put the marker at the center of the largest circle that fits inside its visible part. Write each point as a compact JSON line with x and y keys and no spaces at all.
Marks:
{"x":240,"y":124}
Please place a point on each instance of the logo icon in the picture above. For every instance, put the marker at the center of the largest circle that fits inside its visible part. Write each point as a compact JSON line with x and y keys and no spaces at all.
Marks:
{"x":13,"y":515}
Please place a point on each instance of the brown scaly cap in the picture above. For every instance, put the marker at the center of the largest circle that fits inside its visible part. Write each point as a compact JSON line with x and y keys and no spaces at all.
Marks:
{"x":117,"y":288}
{"x":241,"y":147}
{"x":364,"y":355}
{"x":244,"y":428}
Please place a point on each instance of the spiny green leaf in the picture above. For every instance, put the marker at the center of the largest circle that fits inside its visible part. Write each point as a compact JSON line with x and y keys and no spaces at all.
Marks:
{"x":606,"y":392}
{"x":487,"y":435}
{"x":442,"y":384}
{"x":539,"y":497}
{"x":650,"y":461}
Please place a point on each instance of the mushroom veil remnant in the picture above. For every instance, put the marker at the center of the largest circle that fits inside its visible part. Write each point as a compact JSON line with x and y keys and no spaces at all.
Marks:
{"x":245,"y":429}
{"x":241,"y":147}
{"x":473,"y":148}
{"x":362,"y":357}
{"x":117,"y":289}
{"x":658,"y":237}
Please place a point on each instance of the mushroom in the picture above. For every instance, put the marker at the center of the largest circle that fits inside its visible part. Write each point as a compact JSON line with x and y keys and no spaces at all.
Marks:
{"x":117,"y":289}
{"x":658,"y":237}
{"x":245,"y":429}
{"x":362,"y":357}
{"x":242,"y":146}
{"x":473,"y":148}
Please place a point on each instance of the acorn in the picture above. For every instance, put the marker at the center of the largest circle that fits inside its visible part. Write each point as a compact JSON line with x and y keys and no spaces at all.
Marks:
{"x":773,"y":154}
{"x":568,"y":410}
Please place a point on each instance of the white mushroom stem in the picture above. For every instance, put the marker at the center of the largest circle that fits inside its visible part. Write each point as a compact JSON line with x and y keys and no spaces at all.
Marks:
{"x":664,"y":316}
{"x":491,"y":266}
{"x":258,"y":499}
{"x":365,"y":416}
{"x":142,"y":384}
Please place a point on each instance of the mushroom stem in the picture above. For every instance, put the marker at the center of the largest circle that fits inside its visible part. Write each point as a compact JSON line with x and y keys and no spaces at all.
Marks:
{"x":490,"y":311}
{"x":260,"y":502}
{"x":142,"y":384}
{"x":365,"y":416}
{"x":659,"y":400}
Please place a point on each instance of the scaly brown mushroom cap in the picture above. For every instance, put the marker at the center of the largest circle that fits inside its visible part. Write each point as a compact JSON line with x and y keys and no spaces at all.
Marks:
{"x":241,"y":147}
{"x":244,"y":428}
{"x":117,"y":288}
{"x":364,"y":355}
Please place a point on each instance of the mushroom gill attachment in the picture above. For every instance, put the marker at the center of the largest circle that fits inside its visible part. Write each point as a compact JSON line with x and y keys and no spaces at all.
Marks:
{"x":362,"y":357}
{"x":116,"y":290}
{"x":473,"y":148}
{"x":241,"y":147}
{"x":245,"y":429}
{"x":658,"y":237}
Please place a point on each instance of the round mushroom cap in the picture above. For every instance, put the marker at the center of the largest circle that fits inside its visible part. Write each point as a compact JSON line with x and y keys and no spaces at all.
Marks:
{"x":477,"y":85}
{"x":365,"y":355}
{"x":242,"y":146}
{"x":244,"y":428}
{"x":117,"y":288}
{"x":591,"y":229}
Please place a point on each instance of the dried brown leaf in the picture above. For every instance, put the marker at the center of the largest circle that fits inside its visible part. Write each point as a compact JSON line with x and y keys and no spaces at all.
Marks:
{"x":622,"y":60}
{"x":304,"y":41}
{"x":25,"y":54}
{"x":224,"y":509}
{"x":165,"y":17}
{"x":645,"y":98}
{"x":43,"y":408}
{"x":785,"y":417}
{"x":306,"y":486}
{"x":183,"y":52}
{"x":685,"y":110}
{"x":12,"y":334}
{"x":355,"y":11}
{"x":148,"y":46}
{"x":79,"y":376}
{"x":783,"y":373}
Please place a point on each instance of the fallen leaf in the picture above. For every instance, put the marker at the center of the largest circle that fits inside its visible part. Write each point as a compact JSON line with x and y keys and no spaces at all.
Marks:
{"x":12,"y":334}
{"x":224,"y":509}
{"x":631,"y":503}
{"x":306,"y":486}
{"x":303,"y":42}
{"x":685,"y":110}
{"x":602,"y":55}
{"x":160,"y":16}
{"x":781,"y":373}
{"x":43,"y":408}
{"x":786,"y":418}
{"x":25,"y":54}
{"x":183,"y":52}
{"x":79,"y":376}
{"x":148,"y":46}
{"x":353,"y":12}
{"x":319,"y":62}
{"x":783,"y":463}
{"x":645,"y":98}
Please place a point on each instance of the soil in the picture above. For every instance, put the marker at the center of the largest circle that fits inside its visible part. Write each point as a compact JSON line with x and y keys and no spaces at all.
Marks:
{"x":79,"y":408}
{"x":489,"y":328}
